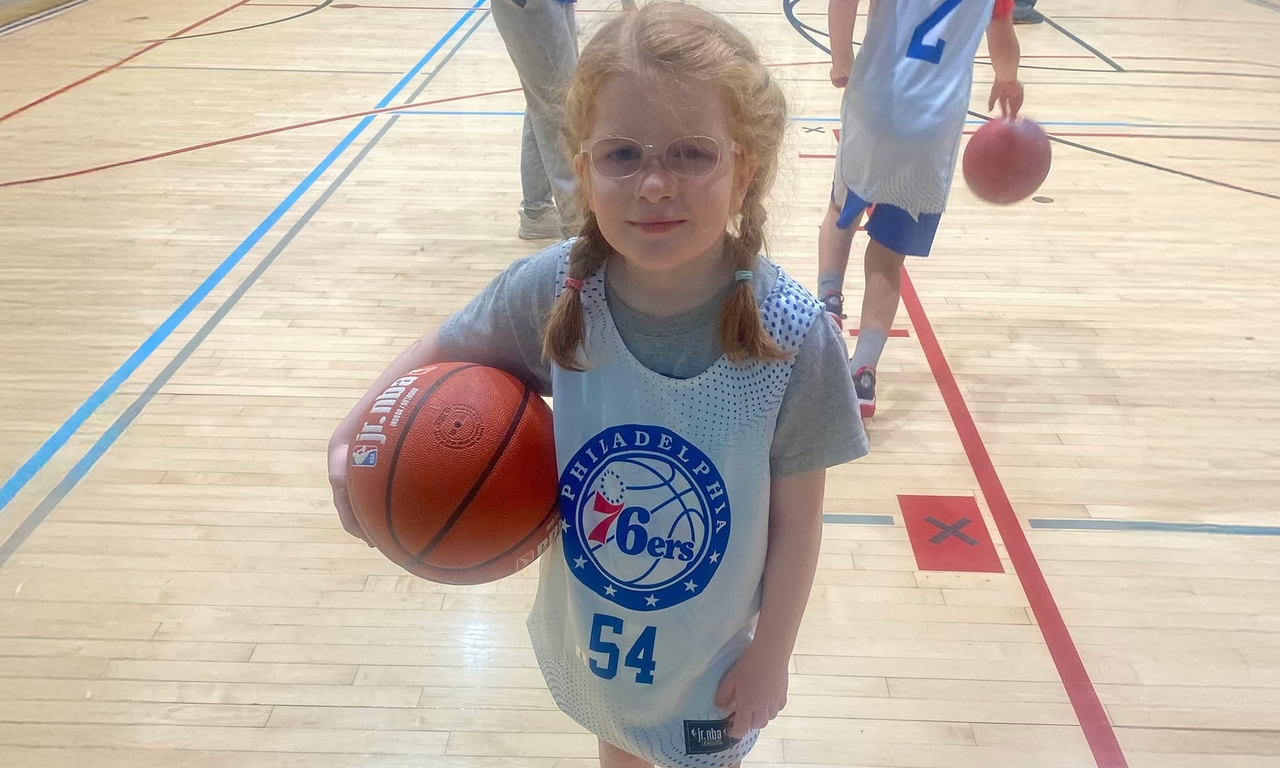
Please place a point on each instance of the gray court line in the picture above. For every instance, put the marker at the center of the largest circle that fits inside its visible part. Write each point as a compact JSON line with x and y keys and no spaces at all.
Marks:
{"x":1270,"y":5}
{"x":1104,"y":58}
{"x":1096,"y":524}
{"x":36,"y":18}
{"x":122,"y":422}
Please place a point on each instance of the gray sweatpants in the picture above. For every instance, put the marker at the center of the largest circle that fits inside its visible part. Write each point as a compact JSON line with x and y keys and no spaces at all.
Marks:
{"x":541,"y":38}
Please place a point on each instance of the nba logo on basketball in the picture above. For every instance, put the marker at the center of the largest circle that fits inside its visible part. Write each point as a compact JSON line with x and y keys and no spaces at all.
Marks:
{"x":646,"y":517}
{"x":364,"y":456}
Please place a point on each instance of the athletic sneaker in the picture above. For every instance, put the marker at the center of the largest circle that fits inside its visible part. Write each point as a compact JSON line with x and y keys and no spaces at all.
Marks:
{"x":544,"y":226}
{"x":1025,"y":14}
{"x":833,"y":302}
{"x":864,"y":382}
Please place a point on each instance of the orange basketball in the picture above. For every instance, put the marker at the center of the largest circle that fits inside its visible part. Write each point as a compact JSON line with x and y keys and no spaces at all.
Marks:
{"x":453,"y":475}
{"x":1007,"y":160}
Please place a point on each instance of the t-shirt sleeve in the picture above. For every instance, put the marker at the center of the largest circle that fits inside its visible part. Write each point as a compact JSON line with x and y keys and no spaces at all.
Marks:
{"x":819,"y":425}
{"x":502,"y":326}
{"x":1003,"y":8}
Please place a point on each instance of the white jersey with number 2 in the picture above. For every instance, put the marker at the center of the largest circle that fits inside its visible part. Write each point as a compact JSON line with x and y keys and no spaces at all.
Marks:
{"x":904,"y":106}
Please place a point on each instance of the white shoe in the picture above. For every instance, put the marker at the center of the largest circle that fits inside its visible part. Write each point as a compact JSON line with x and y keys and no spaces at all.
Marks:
{"x":546,"y":226}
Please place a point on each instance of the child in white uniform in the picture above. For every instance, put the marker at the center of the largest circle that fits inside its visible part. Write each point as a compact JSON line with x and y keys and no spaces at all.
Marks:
{"x":903,"y":114}
{"x":683,"y":367}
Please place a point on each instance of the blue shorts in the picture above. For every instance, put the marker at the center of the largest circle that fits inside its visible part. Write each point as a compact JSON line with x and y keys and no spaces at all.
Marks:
{"x":888,"y":225}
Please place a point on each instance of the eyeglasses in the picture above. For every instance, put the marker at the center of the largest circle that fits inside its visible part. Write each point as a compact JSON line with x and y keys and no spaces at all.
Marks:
{"x":691,"y":157}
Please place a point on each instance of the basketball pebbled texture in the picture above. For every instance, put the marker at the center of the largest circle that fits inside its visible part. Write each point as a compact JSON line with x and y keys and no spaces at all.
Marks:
{"x":1006,"y":161}
{"x":453,"y":475}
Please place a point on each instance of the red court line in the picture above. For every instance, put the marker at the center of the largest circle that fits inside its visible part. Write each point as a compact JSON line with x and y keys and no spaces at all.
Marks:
{"x":246,"y":136}
{"x":1075,"y":678}
{"x":269,"y":131}
{"x":610,"y":11}
{"x":123,"y":61}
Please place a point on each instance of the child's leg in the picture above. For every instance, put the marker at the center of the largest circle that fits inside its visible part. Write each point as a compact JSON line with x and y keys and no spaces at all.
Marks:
{"x":880,"y":298}
{"x":894,"y":234}
{"x":612,"y":757}
{"x":883,"y":268}
{"x":541,"y":44}
{"x":834,"y":245}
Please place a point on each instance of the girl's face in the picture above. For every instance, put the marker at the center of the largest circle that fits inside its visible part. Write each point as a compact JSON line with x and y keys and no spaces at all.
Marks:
{"x":656,"y":218}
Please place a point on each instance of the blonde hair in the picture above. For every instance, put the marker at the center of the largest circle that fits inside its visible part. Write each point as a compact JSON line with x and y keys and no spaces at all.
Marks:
{"x":662,"y":42}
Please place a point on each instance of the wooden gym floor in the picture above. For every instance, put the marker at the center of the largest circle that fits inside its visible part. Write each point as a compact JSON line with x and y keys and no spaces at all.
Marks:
{"x":209,"y":246}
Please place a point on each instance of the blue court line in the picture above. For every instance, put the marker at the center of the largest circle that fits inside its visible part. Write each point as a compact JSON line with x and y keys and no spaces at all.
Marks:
{"x":59,"y":438}
{"x":519,"y":113}
{"x":1091,"y":124}
{"x":1067,"y":123}
{"x":838,"y":519}
{"x":1090,"y":524}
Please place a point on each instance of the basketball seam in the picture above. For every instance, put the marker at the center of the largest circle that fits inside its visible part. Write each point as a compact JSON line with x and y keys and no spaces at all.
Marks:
{"x":395,"y":455}
{"x":480,"y":481}
{"x":504,"y":555}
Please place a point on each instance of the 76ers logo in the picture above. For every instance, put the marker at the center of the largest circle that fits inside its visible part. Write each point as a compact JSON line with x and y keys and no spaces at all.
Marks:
{"x":646,"y":517}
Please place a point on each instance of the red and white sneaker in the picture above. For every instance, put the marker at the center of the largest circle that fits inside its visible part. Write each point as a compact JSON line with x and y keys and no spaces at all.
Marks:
{"x":864,"y":382}
{"x":833,"y":302}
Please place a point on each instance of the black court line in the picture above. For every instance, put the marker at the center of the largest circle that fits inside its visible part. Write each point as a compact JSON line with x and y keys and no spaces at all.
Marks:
{"x":130,"y":414}
{"x":1101,"y":56}
{"x":1166,"y":169}
{"x":788,"y":9}
{"x":320,"y":7}
{"x":1145,"y":164}
{"x":1202,"y":73}
{"x":1047,"y":68}
{"x":1160,"y":86}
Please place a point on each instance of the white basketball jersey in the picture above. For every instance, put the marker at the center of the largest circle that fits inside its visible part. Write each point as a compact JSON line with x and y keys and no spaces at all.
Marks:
{"x":651,"y":592}
{"x":904,"y":107}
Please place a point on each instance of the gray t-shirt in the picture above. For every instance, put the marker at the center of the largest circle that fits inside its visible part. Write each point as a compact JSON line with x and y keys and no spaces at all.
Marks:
{"x":818,"y":425}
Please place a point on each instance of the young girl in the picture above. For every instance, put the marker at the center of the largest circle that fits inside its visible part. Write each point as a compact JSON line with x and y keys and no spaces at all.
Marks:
{"x":700,"y":395}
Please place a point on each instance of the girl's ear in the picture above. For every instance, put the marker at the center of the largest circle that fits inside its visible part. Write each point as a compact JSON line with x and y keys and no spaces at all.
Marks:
{"x":744,"y":172}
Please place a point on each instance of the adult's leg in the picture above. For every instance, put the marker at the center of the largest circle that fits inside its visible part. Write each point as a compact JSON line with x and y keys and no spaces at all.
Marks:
{"x":541,"y":38}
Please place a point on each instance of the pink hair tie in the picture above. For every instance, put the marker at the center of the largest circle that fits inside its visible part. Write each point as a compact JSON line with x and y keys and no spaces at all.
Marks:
{"x":573,"y":284}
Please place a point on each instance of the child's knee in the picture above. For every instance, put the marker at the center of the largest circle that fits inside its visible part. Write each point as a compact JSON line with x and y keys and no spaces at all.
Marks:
{"x":833,"y":215}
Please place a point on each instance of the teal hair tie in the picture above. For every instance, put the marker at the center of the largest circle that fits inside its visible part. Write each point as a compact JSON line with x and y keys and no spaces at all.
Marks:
{"x":742,"y":274}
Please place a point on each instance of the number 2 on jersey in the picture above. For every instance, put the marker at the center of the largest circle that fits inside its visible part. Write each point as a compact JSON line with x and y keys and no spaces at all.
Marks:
{"x":639,"y":658}
{"x":931,"y":53}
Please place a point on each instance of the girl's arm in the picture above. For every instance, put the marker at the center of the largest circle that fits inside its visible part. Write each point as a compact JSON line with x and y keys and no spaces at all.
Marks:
{"x":424,"y":351}
{"x":841,"y":16}
{"x":1006,"y":54}
{"x":756,"y":687}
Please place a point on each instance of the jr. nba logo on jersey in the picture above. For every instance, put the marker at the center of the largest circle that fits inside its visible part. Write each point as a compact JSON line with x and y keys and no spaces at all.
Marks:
{"x":646,"y":517}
